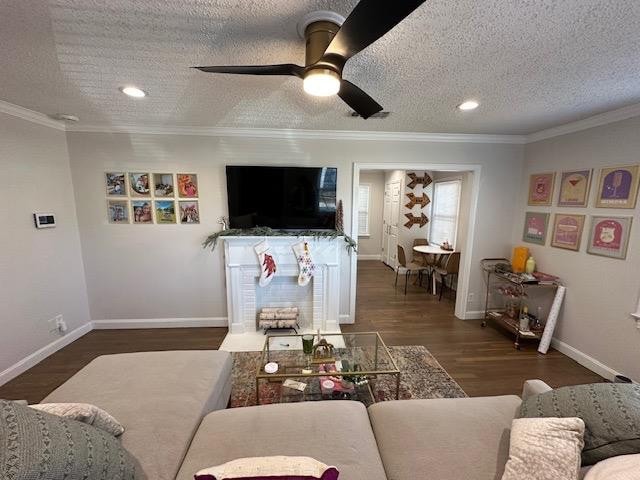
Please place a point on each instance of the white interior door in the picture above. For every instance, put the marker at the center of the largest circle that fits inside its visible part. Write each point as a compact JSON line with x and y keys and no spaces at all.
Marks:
{"x":391,"y":214}
{"x":386,"y":220}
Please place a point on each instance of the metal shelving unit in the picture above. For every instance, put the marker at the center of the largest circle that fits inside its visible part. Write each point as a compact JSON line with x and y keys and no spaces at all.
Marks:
{"x":506,"y":295}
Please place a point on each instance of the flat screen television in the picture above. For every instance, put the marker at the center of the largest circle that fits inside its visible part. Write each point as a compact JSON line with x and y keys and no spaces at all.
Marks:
{"x":287,"y":198}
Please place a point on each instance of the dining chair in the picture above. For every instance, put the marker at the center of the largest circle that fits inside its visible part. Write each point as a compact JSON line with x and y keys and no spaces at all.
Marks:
{"x":448,"y":269}
{"x":408,"y":266}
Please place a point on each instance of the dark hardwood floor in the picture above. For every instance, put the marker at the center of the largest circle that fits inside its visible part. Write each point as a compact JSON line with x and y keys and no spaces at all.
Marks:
{"x":482,"y":361}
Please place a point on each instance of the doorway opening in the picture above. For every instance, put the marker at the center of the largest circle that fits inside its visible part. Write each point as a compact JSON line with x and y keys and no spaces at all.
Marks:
{"x":399,"y":210}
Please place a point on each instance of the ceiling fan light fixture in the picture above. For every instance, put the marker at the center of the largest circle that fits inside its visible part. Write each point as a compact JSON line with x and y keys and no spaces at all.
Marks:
{"x":468,"y":105}
{"x":134,"y":92}
{"x":321,"y":82}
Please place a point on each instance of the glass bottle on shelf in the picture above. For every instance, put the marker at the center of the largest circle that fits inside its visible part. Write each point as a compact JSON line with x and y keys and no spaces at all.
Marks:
{"x":524,"y":319}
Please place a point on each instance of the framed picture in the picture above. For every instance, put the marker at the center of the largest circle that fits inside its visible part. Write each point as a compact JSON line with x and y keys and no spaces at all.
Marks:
{"x":141,"y":211}
{"x":535,"y":227}
{"x":574,"y":188}
{"x":139,"y":184}
{"x":163,"y":185}
{"x":541,"y":188}
{"x":189,"y":212}
{"x":618,"y":187}
{"x":165,"y":211}
{"x":187,"y":185}
{"x":116,"y":184}
{"x":609,"y":236}
{"x":567,"y":231}
{"x":118,"y":211}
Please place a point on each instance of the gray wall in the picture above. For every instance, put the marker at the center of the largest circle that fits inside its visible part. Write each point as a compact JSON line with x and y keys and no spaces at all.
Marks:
{"x":601,"y":292}
{"x":372,"y":244}
{"x":160,"y":271}
{"x":40,"y":270}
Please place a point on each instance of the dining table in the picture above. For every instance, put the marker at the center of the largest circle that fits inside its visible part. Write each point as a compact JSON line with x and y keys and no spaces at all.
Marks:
{"x":432,"y":250}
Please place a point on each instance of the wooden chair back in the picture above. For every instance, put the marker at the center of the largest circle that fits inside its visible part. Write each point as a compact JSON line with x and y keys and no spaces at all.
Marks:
{"x":452,"y":264}
{"x":402,"y":258}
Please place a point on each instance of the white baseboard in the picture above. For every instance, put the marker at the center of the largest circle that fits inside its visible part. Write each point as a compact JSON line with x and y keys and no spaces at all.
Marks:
{"x":370,"y":257}
{"x":584,"y":359}
{"x":36,"y":357}
{"x":345,"y":318}
{"x":473,"y":315}
{"x":129,"y":323}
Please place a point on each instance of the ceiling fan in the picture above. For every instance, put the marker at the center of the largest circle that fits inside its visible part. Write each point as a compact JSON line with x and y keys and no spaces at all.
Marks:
{"x":330,"y":42}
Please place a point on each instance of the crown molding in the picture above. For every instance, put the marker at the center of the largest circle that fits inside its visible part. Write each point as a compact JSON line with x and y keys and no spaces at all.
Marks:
{"x":30,"y":115}
{"x":276,"y":133}
{"x":301,"y":134}
{"x":595,"y":121}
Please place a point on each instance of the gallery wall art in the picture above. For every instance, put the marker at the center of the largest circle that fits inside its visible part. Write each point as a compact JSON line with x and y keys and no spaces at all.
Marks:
{"x":567,"y":231}
{"x":535,"y":227}
{"x":139,"y":184}
{"x":609,"y":236}
{"x":618,"y":187}
{"x":541,"y":188}
{"x":187,"y":185}
{"x":145,"y":198}
{"x":574,"y":188}
{"x":189,"y":212}
{"x":116,"y":184}
{"x":118,"y":211}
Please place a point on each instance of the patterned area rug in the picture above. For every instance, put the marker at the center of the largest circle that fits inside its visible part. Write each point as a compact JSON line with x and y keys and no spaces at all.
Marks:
{"x":422,"y":377}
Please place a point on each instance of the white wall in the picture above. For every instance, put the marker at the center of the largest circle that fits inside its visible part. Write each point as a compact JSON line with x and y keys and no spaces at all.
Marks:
{"x":160,"y":271}
{"x":372,"y":245}
{"x":40,"y":270}
{"x":601,"y":292}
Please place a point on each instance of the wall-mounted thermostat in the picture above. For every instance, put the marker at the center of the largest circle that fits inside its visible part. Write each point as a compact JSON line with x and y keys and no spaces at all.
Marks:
{"x":44,"y":220}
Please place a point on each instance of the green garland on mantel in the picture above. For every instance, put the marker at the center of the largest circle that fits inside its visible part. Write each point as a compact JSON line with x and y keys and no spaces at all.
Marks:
{"x":212,"y":240}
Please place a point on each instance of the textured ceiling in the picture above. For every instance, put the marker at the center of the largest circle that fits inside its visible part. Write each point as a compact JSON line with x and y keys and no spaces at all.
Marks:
{"x":532,"y":64}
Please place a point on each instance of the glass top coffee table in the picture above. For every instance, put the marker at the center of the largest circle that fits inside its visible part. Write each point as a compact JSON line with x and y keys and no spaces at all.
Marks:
{"x":345,"y":369}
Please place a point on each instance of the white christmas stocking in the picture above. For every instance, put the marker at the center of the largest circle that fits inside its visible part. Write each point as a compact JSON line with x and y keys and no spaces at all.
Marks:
{"x":267,"y":263}
{"x":305,"y":262}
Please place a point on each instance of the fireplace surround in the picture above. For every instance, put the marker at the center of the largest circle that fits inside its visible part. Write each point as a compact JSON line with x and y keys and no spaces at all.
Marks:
{"x":319,"y":305}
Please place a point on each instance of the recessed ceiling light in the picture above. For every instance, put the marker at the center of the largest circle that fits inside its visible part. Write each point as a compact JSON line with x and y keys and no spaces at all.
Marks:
{"x":468,"y":105}
{"x":133,"y":92}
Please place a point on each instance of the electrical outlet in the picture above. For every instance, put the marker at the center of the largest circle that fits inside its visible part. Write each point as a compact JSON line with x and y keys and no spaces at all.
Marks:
{"x":57,"y":324}
{"x":61,"y":325}
{"x":470,"y":297}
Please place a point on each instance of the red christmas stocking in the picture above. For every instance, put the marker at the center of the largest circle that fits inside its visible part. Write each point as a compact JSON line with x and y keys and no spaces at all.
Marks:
{"x":266,"y":262}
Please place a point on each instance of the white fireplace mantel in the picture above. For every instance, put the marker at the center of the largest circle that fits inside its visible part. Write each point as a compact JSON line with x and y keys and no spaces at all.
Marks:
{"x":242,"y":272}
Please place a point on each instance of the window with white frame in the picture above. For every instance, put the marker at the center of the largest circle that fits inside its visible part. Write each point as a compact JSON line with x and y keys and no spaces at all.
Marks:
{"x":444,"y":212}
{"x":363,"y":210}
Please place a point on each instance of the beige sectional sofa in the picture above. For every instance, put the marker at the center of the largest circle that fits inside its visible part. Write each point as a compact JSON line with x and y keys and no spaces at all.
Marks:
{"x":173,"y":407}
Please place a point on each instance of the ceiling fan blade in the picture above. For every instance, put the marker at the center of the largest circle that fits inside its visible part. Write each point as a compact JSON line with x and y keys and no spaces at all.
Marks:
{"x":281,"y":69}
{"x":356,"y":98}
{"x":369,"y":21}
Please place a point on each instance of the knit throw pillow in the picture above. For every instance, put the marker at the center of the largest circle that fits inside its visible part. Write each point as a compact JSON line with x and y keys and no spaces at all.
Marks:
{"x":611,"y":413}
{"x":270,"y":468}
{"x":38,"y":445}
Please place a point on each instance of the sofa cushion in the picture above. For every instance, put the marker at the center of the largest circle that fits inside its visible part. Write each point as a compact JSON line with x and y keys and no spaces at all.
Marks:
{"x":159,"y":397}
{"x":444,"y":438}
{"x":35,"y":444}
{"x":334,"y":432}
{"x":611,"y":413}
